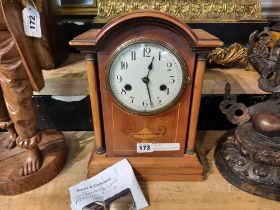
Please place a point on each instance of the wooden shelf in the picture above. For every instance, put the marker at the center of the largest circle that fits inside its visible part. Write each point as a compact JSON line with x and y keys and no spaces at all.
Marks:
{"x":241,"y":80}
{"x":215,"y":193}
{"x":71,"y":80}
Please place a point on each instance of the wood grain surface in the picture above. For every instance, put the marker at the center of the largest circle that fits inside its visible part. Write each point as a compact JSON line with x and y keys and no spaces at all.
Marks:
{"x":213,"y":194}
{"x":186,"y":168}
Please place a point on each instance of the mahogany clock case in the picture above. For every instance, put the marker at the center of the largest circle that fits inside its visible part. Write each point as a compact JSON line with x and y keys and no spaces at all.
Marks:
{"x":122,"y":129}
{"x":121,"y":125}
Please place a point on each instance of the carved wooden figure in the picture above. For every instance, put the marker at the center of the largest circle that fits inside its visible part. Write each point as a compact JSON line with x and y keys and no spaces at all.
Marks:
{"x":145,"y":73}
{"x":31,"y":163}
{"x":249,"y":158}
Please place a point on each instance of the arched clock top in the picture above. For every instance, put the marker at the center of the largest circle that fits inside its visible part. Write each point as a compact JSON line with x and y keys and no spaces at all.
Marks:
{"x":198,"y":39}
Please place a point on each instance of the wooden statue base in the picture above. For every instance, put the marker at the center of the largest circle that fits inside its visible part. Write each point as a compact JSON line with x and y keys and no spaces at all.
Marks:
{"x":186,"y":168}
{"x":53,"y":153}
{"x":248,"y":172}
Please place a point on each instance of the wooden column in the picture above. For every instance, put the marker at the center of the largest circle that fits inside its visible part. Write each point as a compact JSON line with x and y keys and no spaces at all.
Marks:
{"x":95,"y":105}
{"x":196,"y":99}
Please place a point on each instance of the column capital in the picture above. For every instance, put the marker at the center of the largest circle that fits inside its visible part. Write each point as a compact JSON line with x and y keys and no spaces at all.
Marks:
{"x":90,"y":56}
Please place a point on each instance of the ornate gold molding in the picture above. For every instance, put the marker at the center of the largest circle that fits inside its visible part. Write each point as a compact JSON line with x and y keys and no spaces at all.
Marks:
{"x":234,"y":54}
{"x":238,"y":54}
{"x":186,"y":10}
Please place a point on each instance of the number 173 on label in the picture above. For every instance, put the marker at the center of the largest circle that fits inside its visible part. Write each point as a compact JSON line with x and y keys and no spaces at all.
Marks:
{"x":145,"y":147}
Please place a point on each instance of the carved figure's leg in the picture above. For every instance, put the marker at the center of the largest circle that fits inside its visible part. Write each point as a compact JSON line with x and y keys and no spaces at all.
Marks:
{"x":17,"y":92}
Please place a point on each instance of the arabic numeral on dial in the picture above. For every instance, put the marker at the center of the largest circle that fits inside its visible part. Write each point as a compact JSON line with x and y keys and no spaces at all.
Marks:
{"x":169,"y":66}
{"x":159,"y":56}
{"x":159,"y":100}
{"x":123,"y":92}
{"x":172,"y":81}
{"x":145,"y":104}
{"x":119,"y":78}
{"x":124,"y":65}
{"x":132,"y":99}
{"x":146,"y":52}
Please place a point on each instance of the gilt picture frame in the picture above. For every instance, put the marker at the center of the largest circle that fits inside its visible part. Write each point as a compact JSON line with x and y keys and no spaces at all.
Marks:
{"x":75,"y":7}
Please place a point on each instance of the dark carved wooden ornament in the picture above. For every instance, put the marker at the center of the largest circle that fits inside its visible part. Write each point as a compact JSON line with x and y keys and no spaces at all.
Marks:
{"x":249,"y":158}
{"x":118,"y":128}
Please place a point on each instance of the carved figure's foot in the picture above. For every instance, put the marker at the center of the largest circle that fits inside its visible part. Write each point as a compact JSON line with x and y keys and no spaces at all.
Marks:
{"x":11,"y":141}
{"x":32,"y":162}
{"x":267,"y":124}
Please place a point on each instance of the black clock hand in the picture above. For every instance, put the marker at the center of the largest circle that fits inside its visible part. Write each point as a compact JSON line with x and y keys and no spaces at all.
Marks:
{"x":149,"y":94}
{"x":146,"y":80}
{"x":150,"y":67}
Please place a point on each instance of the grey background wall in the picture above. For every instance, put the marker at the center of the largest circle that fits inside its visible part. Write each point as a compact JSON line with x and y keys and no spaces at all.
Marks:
{"x":271,"y":9}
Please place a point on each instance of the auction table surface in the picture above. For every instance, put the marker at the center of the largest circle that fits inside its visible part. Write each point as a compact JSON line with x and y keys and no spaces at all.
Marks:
{"x":215,"y":193}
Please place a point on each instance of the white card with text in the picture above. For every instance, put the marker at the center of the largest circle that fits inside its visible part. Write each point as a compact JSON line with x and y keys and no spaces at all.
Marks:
{"x":115,"y":186}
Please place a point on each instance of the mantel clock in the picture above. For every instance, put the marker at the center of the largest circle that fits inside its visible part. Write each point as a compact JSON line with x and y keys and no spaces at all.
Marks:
{"x":145,"y":72}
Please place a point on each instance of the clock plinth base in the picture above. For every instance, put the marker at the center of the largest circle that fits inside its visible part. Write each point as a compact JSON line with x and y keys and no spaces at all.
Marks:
{"x":186,"y":168}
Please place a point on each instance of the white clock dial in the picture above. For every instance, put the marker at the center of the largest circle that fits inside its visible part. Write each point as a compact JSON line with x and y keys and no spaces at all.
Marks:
{"x":146,"y":76}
